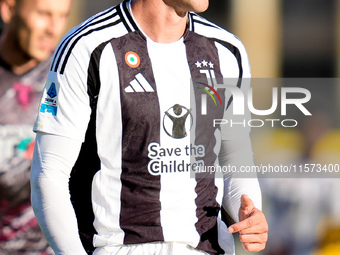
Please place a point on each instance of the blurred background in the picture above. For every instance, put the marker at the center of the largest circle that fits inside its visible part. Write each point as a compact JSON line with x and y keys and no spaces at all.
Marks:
{"x":287,"y":39}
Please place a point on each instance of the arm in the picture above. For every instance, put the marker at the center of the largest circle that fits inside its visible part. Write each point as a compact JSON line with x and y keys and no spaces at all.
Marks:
{"x":242,"y":196}
{"x":238,"y":153}
{"x":53,"y":159}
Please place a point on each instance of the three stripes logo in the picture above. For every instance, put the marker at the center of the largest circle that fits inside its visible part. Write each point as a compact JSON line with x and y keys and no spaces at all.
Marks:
{"x":140,"y":84}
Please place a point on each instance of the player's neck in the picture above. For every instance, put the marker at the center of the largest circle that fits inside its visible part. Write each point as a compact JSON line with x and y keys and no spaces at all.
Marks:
{"x":10,"y":53}
{"x":160,"y":22}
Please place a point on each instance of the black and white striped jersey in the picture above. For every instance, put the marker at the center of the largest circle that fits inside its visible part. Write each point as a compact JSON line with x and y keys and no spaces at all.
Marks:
{"x":138,"y":109}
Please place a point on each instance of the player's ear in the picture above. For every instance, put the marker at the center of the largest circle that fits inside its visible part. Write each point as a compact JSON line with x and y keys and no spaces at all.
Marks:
{"x":7,"y":9}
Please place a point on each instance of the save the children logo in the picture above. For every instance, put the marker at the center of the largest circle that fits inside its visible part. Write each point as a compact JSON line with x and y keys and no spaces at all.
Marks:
{"x":177,"y":121}
{"x":175,"y":160}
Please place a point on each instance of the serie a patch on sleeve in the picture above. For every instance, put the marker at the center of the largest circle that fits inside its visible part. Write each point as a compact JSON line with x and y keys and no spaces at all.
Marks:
{"x":49,"y":103}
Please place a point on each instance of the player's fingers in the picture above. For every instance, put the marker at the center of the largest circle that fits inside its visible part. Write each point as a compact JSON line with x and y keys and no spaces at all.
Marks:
{"x":256,"y":220}
{"x":246,"y":203}
{"x":254,"y":247}
{"x":244,"y":224}
{"x":258,"y":229}
{"x":254,"y":238}
{"x":246,"y":207}
{"x":247,"y":223}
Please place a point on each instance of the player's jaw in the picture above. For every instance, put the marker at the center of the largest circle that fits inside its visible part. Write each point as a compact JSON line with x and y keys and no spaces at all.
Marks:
{"x":188,"y":5}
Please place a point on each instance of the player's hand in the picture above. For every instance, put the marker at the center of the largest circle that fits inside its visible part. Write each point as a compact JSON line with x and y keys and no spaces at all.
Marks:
{"x":253,"y":226}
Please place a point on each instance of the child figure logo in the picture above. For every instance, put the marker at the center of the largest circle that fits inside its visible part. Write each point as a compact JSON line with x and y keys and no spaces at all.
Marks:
{"x":177,"y":121}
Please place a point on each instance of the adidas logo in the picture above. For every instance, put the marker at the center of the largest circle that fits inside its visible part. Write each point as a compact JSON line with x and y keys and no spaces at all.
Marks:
{"x":140,"y":84}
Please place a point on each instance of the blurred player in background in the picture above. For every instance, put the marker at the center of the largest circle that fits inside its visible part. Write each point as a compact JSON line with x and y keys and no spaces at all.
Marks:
{"x":30,"y":33}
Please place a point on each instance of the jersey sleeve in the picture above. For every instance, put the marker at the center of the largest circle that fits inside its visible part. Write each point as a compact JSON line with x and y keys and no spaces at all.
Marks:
{"x":53,"y":157}
{"x":64,"y":108}
{"x":238,"y":153}
{"x":236,"y":148}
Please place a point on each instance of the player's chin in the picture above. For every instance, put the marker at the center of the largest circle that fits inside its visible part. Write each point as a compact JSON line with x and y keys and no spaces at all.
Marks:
{"x":201,"y":6}
{"x":254,"y":247}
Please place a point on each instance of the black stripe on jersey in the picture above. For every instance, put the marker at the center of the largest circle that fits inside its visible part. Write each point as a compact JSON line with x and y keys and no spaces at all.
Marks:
{"x":83,"y":35}
{"x":199,"y":47}
{"x":140,"y":194}
{"x":88,"y":162}
{"x":128,"y":15}
{"x":236,"y":53}
{"x":96,"y":20}
{"x":238,"y":57}
{"x":93,"y":79}
{"x":231,"y":47}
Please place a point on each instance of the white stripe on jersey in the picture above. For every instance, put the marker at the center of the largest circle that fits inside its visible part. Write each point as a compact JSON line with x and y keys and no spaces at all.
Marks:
{"x":107,"y":211}
{"x":173,"y":87}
